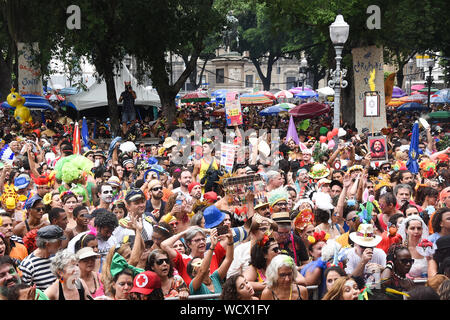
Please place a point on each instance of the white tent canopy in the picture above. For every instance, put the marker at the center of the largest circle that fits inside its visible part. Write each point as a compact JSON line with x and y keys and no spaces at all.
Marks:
{"x":96,"y":95}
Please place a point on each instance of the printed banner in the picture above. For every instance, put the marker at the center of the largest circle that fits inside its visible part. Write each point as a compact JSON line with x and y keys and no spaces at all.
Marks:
{"x":233,"y":109}
{"x":227,"y":152}
{"x":30,"y":79}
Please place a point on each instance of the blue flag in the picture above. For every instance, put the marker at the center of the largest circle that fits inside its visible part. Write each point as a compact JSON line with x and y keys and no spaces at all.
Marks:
{"x":85,"y":133}
{"x":412,"y":164}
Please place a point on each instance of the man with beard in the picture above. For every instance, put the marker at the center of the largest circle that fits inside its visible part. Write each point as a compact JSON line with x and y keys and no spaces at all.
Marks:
{"x":403,"y":194}
{"x":301,"y":182}
{"x":155,"y":206}
{"x":106,"y":196}
{"x":8,"y":273}
{"x":185,"y":179}
{"x":195,"y":191}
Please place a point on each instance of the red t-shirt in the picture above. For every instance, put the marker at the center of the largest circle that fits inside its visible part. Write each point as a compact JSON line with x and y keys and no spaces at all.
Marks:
{"x":181,"y":263}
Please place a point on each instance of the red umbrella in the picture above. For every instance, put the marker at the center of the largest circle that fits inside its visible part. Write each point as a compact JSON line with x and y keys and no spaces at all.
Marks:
{"x":219,"y":112}
{"x":309,"y":110}
{"x":268,"y":94}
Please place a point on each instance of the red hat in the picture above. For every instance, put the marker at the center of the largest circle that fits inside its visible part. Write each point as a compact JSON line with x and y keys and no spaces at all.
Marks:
{"x":146,"y":282}
{"x":192,"y":185}
{"x":211,"y":196}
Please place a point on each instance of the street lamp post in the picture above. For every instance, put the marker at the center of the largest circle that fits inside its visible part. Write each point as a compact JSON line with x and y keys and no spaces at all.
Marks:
{"x":430,"y":64}
{"x":339,"y":31}
{"x":410,"y":62}
{"x":302,"y":72}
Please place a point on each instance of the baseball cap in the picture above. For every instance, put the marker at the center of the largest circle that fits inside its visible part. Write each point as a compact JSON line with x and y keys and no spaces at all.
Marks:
{"x":22,"y":181}
{"x":146,"y":282}
{"x":211,"y":196}
{"x":31,"y":201}
{"x":51,"y":232}
{"x":134,"y":194}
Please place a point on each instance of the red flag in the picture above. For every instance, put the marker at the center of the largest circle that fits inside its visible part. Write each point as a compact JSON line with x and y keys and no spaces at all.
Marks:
{"x":76,"y":139}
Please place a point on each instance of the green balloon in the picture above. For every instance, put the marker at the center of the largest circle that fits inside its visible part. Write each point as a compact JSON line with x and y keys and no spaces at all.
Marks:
{"x":323,"y":131}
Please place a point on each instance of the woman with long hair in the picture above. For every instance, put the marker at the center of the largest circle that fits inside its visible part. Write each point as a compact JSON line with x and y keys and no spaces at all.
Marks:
{"x":236,"y":287}
{"x":344,"y":288}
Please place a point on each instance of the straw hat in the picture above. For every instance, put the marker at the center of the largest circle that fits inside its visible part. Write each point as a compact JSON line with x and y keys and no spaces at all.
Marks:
{"x":169,"y":142}
{"x":365,"y":236}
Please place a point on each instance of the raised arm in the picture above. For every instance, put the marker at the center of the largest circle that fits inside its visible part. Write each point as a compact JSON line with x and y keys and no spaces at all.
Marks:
{"x":167,"y":245}
{"x":341,"y":201}
{"x":206,"y":263}
{"x":138,"y":246}
{"x":226,"y":263}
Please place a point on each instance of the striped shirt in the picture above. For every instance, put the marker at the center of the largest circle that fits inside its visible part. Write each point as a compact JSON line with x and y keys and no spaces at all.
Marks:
{"x":37,"y":271}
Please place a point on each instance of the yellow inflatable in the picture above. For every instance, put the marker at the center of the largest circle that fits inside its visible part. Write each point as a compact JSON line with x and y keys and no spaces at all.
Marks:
{"x":22,"y":113}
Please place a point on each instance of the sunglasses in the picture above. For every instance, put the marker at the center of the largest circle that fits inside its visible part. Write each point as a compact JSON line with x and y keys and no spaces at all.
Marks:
{"x":406,"y":261}
{"x":281,"y":204}
{"x":157,"y":189}
{"x":161,"y":261}
{"x":39,"y":209}
{"x":386,"y":168}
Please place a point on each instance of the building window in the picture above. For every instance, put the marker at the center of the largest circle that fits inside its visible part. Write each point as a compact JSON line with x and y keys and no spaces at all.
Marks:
{"x":249,"y":81}
{"x":220,"y":75}
{"x":278,"y":70}
{"x":290,"y":82}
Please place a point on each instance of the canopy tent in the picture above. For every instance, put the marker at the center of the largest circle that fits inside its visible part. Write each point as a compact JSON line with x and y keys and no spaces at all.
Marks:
{"x":96,"y":96}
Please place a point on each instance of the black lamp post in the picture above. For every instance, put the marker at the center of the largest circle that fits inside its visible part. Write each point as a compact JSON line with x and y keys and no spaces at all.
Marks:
{"x":430,"y":64}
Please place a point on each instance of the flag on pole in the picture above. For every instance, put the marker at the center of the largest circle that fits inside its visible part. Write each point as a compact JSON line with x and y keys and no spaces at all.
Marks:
{"x":292,"y":132}
{"x":412,"y":164}
{"x":85,"y":133}
{"x":76,"y":139}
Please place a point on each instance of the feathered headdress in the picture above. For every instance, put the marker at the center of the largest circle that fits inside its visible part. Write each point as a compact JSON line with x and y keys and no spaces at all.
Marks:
{"x":323,"y":201}
{"x":44,"y":179}
{"x":6,"y":154}
{"x":277,"y":195}
{"x":318,"y":236}
{"x":304,"y":218}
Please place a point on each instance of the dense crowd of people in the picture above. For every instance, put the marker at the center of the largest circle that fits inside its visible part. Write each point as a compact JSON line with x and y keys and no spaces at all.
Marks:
{"x":120,"y":220}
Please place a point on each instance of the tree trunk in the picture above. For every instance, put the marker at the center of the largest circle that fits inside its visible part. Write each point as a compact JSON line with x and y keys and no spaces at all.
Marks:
{"x":113,"y":108}
{"x":266,"y":79}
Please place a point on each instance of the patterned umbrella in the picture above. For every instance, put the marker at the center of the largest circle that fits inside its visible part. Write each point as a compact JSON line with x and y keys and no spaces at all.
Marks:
{"x":284,"y":94}
{"x":253,"y":99}
{"x":195,"y":97}
{"x":268,"y":94}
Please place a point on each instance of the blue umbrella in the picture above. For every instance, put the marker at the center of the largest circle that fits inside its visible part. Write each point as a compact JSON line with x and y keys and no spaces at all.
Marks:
{"x":412,"y":106}
{"x":270,"y":111}
{"x":444,"y":94}
{"x":33,"y":102}
{"x":437,"y":99}
{"x":305,"y":94}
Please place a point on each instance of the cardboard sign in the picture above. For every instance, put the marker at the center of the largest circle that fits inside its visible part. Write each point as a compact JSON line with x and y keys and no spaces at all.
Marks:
{"x":30,"y":79}
{"x":227,"y":153}
{"x":233,"y":109}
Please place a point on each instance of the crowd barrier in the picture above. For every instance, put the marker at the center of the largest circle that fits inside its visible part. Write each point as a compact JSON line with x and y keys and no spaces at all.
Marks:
{"x":313,"y":292}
